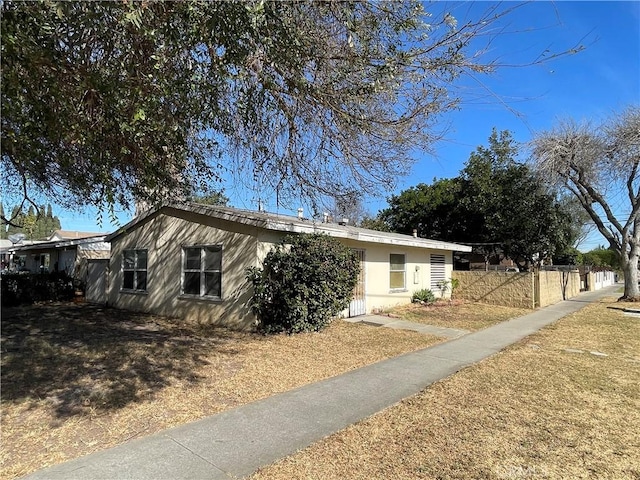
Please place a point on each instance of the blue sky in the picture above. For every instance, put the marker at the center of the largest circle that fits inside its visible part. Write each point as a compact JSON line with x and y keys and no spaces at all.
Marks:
{"x":589,"y":85}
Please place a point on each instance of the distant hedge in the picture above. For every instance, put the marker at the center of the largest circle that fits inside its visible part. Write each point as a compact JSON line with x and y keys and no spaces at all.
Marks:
{"x":25,"y":289}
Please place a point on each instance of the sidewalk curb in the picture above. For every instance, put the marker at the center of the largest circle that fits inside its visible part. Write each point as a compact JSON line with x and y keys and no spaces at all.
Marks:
{"x":237,"y":442}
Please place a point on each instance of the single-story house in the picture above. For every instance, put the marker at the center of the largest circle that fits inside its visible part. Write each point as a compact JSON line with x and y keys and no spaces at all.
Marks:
{"x":69,"y":255}
{"x":190,"y":261}
{"x":72,"y":235}
{"x":5,"y":252}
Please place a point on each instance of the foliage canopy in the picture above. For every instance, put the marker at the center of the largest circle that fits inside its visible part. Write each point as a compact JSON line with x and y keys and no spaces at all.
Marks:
{"x":34,"y":225}
{"x":495,"y":203}
{"x":107,"y":102}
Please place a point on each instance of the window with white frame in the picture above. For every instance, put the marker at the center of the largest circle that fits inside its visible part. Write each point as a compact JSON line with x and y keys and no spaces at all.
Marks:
{"x":202,"y":271}
{"x":397,"y":271}
{"x":134,"y":270}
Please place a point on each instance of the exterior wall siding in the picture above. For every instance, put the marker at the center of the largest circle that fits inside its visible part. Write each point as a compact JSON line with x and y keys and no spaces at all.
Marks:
{"x":379,"y":295}
{"x":164,"y":236}
{"x":84,"y":253}
{"x":598,"y":280}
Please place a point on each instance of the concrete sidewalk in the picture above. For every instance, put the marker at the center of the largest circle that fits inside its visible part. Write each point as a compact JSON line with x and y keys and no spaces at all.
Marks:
{"x":396,"y":323}
{"x":235,"y":443}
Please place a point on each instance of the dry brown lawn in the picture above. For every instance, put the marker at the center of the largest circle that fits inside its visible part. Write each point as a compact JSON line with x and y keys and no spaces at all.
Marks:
{"x":458,"y":314}
{"x":545,"y":408}
{"x":77,"y":378}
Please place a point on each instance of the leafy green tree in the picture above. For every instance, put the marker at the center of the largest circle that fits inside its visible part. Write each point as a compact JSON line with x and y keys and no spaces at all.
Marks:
{"x":600,"y":165}
{"x":602,"y":257}
{"x":375,"y":223}
{"x":304,"y":282}
{"x":432,"y":210}
{"x":29,"y":224}
{"x":495,"y":201}
{"x":215,"y":198}
{"x":107,"y":102}
{"x":568,"y":256}
{"x":14,"y":226}
{"x":3,"y":224}
{"x":35,"y":224}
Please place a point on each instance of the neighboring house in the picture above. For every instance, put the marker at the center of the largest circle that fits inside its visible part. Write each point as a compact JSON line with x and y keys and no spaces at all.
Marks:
{"x":63,"y":255}
{"x":5,"y":253}
{"x":485,"y":257}
{"x":72,"y":235}
{"x":190,"y":261}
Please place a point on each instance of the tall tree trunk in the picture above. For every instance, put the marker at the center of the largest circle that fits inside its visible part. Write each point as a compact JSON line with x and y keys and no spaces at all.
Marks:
{"x":629,"y":261}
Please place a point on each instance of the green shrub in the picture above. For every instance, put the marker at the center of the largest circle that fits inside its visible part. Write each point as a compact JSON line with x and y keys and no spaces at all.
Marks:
{"x":304,"y":282}
{"x":25,"y":289}
{"x":425,"y":295}
{"x":455,"y":283}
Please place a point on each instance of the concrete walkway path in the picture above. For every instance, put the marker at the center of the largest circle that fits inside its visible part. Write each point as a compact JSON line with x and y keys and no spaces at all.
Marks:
{"x":235,"y":443}
{"x":392,"y":322}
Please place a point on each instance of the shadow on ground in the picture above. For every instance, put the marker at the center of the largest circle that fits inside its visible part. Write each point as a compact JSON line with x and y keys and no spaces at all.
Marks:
{"x":83,"y":356}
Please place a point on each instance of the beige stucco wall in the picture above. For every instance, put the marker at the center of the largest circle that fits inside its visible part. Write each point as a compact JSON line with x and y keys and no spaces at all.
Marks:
{"x":496,"y":288}
{"x":379,"y":295}
{"x":71,"y":259}
{"x":553,"y":284}
{"x":164,"y":236}
{"x":88,"y":252}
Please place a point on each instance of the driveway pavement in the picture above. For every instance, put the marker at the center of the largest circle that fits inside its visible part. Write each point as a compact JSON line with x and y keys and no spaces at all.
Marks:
{"x":235,"y":443}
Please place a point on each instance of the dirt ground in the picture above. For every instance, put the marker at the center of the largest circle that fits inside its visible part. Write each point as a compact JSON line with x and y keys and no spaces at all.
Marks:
{"x":562,"y":404}
{"x":80,"y":378}
{"x":458,"y":314}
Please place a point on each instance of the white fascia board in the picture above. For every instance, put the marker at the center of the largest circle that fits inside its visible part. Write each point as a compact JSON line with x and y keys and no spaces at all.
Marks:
{"x":414,"y":242}
{"x":364,"y":236}
{"x":52,"y":245}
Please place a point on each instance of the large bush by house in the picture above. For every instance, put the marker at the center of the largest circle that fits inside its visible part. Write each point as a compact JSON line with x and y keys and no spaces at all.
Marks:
{"x":305,"y":281}
{"x":21,"y":289}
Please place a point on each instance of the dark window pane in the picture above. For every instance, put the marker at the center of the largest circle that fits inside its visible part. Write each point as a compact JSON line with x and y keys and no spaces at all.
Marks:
{"x":128,"y":259}
{"x":192,"y":258}
{"x":141,"y":281}
{"x":396,"y":261}
{"x":127,"y":281}
{"x":142,"y":259}
{"x":212,"y":284}
{"x":192,"y":283}
{"x":212,"y":258}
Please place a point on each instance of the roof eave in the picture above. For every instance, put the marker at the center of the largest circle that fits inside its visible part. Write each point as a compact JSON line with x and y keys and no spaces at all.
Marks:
{"x":292,"y":226}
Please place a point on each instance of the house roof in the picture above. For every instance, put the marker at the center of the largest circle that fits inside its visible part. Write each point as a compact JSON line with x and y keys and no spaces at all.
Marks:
{"x":53,"y":244}
{"x":291,"y":224}
{"x":9,"y":246}
{"x":71,"y":234}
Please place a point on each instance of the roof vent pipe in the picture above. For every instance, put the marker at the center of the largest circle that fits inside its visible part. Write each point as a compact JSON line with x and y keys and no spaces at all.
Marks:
{"x":415,"y":233}
{"x":300,"y":213}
